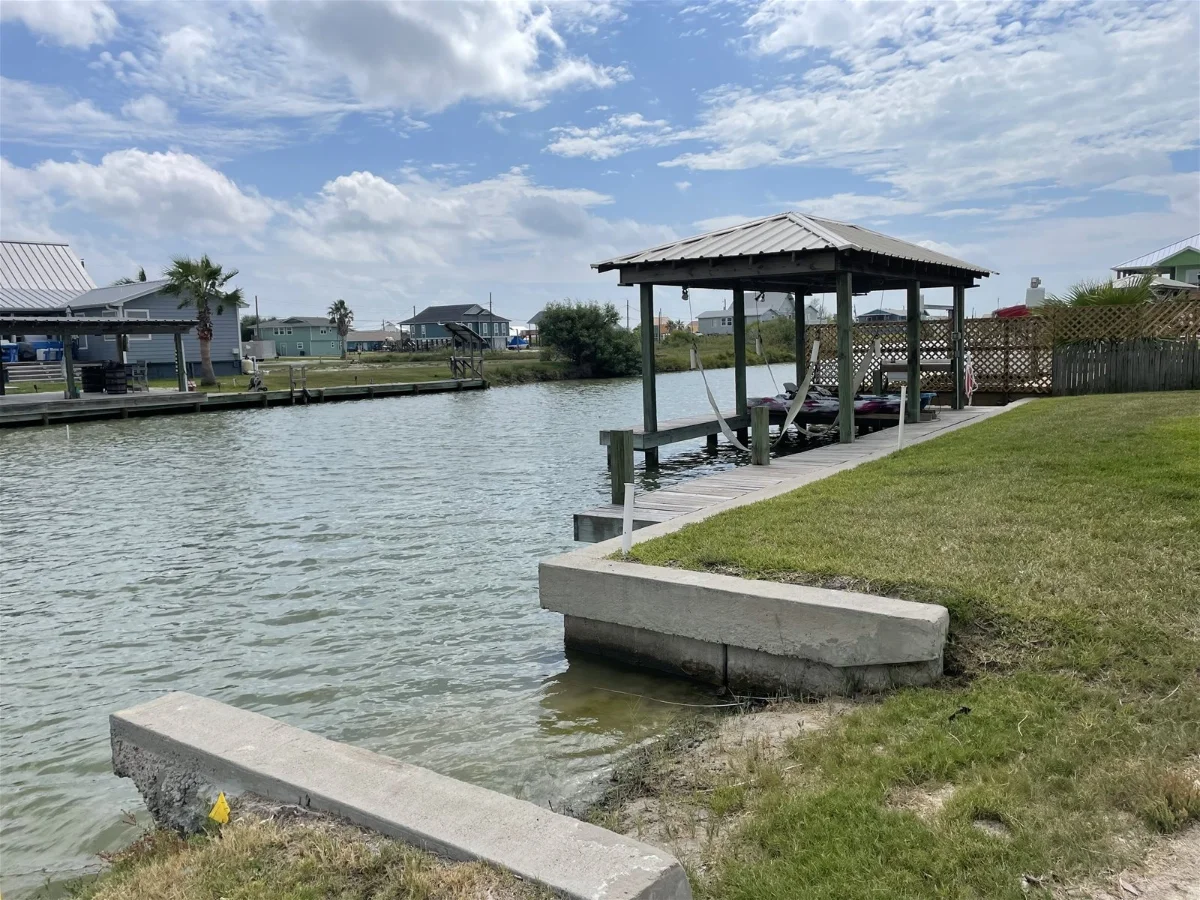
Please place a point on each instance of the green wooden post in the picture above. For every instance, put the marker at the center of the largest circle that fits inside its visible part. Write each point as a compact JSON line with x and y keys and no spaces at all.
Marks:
{"x":845,"y":324}
{"x":620,"y":463}
{"x":760,"y":431}
{"x":69,"y":368}
{"x":959,"y":344}
{"x":913,"y":322}
{"x":180,"y":363}
{"x":649,"y":397}
{"x":739,"y":350}
{"x":801,"y":339}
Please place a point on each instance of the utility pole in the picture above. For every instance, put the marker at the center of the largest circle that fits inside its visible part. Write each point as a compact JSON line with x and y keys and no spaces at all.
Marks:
{"x":257,"y":317}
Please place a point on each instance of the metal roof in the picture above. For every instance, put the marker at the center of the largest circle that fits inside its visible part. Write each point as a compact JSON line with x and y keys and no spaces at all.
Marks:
{"x":1157,"y":256}
{"x":312,"y":321}
{"x":788,"y":232}
{"x":40,"y":275}
{"x":376,"y":335}
{"x":117,"y":294}
{"x":95,"y":325}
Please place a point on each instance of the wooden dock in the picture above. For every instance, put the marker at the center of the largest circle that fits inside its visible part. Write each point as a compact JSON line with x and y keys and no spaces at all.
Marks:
{"x":33,"y":409}
{"x":794,"y":470}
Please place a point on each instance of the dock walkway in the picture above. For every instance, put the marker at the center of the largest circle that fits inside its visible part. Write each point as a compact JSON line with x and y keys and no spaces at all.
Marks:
{"x":46,"y":409}
{"x":794,"y":470}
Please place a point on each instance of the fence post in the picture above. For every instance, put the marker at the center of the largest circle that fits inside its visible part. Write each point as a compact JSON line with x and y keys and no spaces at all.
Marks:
{"x":760,"y":432}
{"x":620,"y":463}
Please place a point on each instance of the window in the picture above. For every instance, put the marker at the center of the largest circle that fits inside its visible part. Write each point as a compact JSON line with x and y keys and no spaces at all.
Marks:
{"x":81,"y":341}
{"x":299,"y":345}
{"x":138,"y":314}
{"x":422,"y":331}
{"x":289,"y":331}
{"x":324,"y":331}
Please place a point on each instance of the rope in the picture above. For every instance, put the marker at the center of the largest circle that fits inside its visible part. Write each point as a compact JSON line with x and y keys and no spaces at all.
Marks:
{"x":864,"y":367}
{"x":725,"y":429}
{"x":801,"y":393}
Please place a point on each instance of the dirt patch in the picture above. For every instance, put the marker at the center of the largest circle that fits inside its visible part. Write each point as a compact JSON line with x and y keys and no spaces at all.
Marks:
{"x":1171,"y":871}
{"x":925,"y":802}
{"x":685,"y":793}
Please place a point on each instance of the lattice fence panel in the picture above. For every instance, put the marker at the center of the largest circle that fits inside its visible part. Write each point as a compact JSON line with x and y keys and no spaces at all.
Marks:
{"x":1009,"y":356}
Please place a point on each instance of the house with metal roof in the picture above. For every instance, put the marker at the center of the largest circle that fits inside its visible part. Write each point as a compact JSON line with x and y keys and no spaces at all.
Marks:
{"x":1178,"y":262}
{"x":427,"y":327}
{"x":40,"y":277}
{"x":301,"y":336}
{"x":48,"y":279}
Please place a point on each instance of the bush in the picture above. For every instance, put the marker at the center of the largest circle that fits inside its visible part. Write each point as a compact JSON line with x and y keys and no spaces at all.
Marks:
{"x":591,"y":339}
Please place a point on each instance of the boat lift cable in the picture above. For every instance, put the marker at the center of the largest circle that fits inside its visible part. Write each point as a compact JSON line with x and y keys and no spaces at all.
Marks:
{"x":762,"y":346}
{"x":821,"y":430}
{"x":725,"y":429}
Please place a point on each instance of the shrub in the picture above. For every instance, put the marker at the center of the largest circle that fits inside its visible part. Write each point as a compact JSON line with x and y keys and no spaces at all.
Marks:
{"x":591,"y":339}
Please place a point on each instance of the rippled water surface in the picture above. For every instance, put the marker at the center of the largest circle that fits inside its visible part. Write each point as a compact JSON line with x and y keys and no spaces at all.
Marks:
{"x":364,"y":570}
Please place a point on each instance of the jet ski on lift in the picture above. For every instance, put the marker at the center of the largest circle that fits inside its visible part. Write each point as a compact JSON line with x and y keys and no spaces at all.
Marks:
{"x":822,"y":405}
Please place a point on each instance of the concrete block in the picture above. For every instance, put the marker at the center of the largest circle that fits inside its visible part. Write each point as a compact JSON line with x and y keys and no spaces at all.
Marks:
{"x":701,"y":660}
{"x":753,"y":671}
{"x":837,"y":628}
{"x":180,"y":749}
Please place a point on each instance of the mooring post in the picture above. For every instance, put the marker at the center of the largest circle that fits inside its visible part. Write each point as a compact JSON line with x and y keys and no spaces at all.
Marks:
{"x":760,"y":434}
{"x":620,"y":462}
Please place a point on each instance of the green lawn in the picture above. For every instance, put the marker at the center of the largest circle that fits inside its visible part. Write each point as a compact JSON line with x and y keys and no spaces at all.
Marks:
{"x":1064,"y":538}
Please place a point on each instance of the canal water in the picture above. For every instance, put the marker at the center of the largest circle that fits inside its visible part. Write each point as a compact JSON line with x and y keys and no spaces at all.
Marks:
{"x":364,"y":570}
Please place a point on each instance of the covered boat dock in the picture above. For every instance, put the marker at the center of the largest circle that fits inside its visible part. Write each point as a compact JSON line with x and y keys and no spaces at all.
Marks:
{"x":803,"y":255}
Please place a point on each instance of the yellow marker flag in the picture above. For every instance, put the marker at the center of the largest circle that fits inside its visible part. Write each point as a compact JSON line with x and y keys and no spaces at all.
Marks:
{"x":220,"y":810}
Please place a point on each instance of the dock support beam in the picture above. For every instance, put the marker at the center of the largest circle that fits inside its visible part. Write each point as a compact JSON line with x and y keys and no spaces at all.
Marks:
{"x":69,"y":368}
{"x":958,"y":344}
{"x":912,"y":413}
{"x":760,"y":434}
{"x":845,"y":324}
{"x":649,"y":397}
{"x":620,"y":463}
{"x":180,"y":366}
{"x":801,"y":339}
{"x":739,"y":356}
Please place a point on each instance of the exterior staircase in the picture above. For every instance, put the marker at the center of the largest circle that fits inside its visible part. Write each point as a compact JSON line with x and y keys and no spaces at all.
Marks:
{"x":25,"y":372}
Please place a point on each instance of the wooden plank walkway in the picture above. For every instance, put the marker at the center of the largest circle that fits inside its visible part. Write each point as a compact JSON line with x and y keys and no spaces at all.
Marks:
{"x":794,"y":470}
{"x":26,"y":409}
{"x":673,"y":431}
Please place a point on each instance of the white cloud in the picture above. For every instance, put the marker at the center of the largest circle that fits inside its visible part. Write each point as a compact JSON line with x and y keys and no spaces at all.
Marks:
{"x":149,"y":109}
{"x":51,"y":116}
{"x":682,"y":186}
{"x":615,"y":136}
{"x":72,"y":23}
{"x":150,"y":193}
{"x":860,"y":207}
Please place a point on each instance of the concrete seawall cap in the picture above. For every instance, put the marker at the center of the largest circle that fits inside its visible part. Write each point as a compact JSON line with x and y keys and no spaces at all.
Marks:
{"x":181,"y":745}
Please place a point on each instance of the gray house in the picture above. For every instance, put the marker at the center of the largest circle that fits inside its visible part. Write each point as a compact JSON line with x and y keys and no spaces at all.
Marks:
{"x":146,"y":300}
{"x":42,"y":278}
{"x":426,"y":327}
{"x":758,"y":309}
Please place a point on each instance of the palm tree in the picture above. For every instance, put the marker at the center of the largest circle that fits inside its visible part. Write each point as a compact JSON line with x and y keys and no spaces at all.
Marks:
{"x":1106,"y":293}
{"x":341,"y":316}
{"x":141,"y":276}
{"x":201,"y":283}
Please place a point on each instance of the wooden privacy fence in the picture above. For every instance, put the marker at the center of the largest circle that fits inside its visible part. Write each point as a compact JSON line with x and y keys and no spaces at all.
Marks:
{"x":1011,"y":356}
{"x":1109,"y":367}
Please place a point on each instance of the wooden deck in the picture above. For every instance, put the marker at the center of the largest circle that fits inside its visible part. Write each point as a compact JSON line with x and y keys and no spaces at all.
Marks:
{"x":795,"y":470}
{"x":42,"y":409}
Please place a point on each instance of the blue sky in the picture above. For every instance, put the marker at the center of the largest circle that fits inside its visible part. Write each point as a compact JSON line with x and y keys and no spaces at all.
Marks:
{"x":403,"y":154}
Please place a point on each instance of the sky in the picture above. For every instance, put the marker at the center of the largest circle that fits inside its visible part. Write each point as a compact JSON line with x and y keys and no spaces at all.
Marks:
{"x":399,"y":155}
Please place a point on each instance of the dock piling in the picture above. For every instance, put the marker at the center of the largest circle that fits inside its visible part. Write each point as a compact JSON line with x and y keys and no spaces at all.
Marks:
{"x":620,"y":463}
{"x":760,"y":431}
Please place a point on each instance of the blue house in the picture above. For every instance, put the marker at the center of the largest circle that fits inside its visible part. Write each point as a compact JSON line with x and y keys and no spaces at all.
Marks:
{"x":44,"y":278}
{"x":426,"y":327}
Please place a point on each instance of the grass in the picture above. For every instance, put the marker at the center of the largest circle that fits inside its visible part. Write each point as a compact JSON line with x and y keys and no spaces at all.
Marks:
{"x":1064,"y":538}
{"x":254,"y":859}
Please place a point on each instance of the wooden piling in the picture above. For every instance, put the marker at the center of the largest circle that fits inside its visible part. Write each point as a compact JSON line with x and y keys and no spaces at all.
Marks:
{"x":760,"y":430}
{"x":620,"y":463}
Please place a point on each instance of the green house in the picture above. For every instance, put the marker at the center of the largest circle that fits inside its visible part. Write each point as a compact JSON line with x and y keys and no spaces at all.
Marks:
{"x":1179,"y":262}
{"x":300,"y":336}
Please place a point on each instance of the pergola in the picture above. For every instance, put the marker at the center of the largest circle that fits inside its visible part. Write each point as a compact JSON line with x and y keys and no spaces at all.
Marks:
{"x":70,"y":326}
{"x":804,"y":255}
